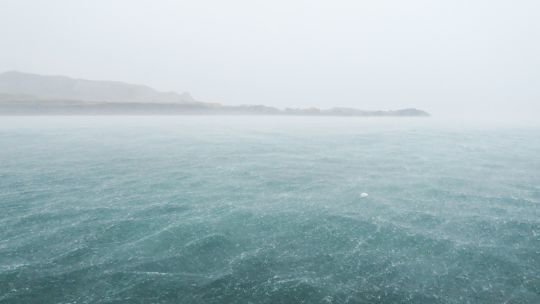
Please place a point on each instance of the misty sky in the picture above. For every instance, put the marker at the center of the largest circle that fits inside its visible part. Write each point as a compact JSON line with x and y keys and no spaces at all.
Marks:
{"x":447,"y":57}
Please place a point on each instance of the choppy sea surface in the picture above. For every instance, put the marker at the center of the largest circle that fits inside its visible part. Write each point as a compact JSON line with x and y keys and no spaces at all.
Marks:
{"x":267,"y":210}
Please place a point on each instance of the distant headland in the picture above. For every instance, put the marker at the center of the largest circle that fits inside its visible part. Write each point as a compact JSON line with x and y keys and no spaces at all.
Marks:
{"x":31,"y":94}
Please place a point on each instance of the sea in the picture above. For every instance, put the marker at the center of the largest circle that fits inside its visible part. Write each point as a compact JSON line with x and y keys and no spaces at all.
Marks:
{"x":262,"y":209}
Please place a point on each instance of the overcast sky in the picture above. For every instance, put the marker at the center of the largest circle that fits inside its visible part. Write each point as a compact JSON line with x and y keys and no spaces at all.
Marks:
{"x":447,"y":57}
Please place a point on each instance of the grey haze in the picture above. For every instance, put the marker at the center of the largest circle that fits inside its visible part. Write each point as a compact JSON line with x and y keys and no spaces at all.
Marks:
{"x":456,"y":58}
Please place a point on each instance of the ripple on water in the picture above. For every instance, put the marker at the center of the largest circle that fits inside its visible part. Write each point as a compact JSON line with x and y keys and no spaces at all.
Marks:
{"x":219,"y":213}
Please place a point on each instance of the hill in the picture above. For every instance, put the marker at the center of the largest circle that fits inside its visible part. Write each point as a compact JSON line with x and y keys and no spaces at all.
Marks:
{"x":31,"y":94}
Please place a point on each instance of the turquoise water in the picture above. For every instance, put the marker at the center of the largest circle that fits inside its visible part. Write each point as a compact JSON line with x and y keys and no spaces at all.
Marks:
{"x":267,"y":210}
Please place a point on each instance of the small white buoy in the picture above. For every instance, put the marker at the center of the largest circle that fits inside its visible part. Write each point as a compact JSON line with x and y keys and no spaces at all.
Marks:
{"x":363,"y":194}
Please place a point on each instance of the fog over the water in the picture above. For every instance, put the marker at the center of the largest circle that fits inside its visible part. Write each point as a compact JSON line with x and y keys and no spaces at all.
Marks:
{"x":451,"y":58}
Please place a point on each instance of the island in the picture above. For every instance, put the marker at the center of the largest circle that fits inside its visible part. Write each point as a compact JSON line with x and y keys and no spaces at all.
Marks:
{"x":31,"y":94}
